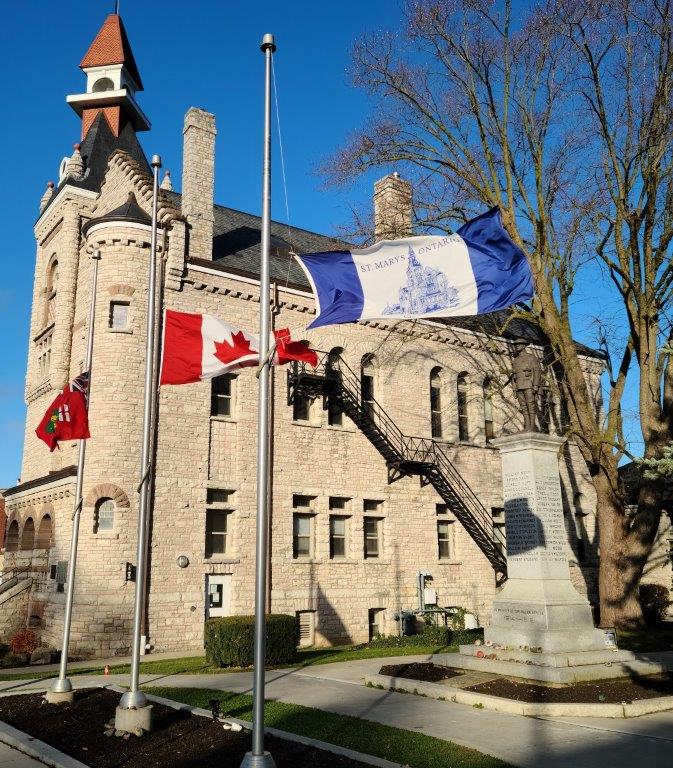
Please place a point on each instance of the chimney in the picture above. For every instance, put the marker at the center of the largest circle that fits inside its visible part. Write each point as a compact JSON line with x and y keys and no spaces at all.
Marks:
{"x":198,"y":172}
{"x":392,"y":208}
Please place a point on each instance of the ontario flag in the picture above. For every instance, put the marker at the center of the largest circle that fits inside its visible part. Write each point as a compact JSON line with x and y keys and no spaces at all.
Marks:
{"x":67,"y":418}
{"x":198,"y":347}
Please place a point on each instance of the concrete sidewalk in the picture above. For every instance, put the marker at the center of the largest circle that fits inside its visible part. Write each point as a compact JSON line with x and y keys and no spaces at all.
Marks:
{"x":12,"y":758}
{"x":522,"y":741}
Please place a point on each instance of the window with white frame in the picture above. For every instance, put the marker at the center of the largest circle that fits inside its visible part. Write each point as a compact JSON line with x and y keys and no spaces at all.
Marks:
{"x":218,"y":515}
{"x":302,"y":535}
{"x":375,"y":623}
{"x":105,"y":516}
{"x":445,"y":535}
{"x":461,"y":391}
{"x":119,"y":315}
{"x":372,"y":537}
{"x":338,"y":525}
{"x":489,"y":432}
{"x":222,"y":394}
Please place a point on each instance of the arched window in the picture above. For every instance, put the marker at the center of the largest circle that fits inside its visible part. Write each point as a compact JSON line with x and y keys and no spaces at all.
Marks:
{"x":335,"y":416}
{"x":43,"y":539}
{"x":367,"y":384}
{"x":489,"y":432}
{"x":105,"y":516}
{"x":28,"y":535}
{"x":52,"y":287}
{"x":463,"y":425}
{"x":103,"y":84}
{"x":436,"y":403}
{"x":13,"y":537}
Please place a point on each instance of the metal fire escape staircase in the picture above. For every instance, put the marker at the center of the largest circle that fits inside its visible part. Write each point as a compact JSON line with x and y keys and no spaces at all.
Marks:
{"x":340,"y":387}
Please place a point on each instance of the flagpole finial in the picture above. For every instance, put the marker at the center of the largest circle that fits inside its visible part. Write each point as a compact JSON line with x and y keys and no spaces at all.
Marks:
{"x":156,"y":161}
{"x":268,"y":42}
{"x":96,"y":255}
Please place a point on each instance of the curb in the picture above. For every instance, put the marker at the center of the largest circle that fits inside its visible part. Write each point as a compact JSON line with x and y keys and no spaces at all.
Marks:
{"x":512,"y":707}
{"x":43,"y":753}
{"x":379,"y":762}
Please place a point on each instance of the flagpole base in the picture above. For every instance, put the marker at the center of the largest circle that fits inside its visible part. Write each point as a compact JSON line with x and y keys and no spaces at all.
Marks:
{"x":59,"y":697}
{"x":133,"y":720}
{"x":258,"y":761}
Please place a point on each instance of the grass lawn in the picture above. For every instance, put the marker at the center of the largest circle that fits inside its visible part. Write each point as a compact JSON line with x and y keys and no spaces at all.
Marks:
{"x":198,"y":664}
{"x":407,"y":747}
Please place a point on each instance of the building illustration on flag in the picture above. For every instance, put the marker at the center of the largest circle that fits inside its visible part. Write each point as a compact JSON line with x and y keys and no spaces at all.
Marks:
{"x":426,"y":290}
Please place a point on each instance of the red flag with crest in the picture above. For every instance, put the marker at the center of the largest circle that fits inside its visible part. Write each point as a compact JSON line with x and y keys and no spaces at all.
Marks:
{"x":67,"y":418}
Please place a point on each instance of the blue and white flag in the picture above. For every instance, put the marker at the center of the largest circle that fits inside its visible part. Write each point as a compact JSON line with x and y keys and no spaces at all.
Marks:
{"x":476,"y":270}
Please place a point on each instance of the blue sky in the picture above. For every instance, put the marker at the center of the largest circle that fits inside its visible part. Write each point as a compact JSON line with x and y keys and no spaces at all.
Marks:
{"x":203,"y":54}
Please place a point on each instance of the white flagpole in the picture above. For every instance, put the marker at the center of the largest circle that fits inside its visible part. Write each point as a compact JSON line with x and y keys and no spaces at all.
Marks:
{"x":258,"y":757}
{"x":61,"y":688}
{"x":133,"y":711}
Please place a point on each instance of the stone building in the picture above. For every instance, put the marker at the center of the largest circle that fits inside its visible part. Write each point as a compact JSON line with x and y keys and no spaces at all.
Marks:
{"x":355,"y":509}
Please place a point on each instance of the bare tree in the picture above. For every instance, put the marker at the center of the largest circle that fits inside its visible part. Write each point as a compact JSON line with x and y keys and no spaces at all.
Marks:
{"x":562,"y":118}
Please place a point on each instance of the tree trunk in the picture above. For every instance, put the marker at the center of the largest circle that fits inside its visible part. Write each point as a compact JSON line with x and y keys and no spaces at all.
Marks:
{"x":619,"y":606}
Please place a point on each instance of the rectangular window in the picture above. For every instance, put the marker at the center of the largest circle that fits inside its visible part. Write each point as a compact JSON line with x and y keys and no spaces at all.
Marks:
{"x":222,"y":395}
{"x":435,"y":412}
{"x":444,"y":539}
{"x":367,"y":387}
{"x":337,"y":536}
{"x":306,"y":621}
{"x":300,"y":501}
{"x":338,"y":502}
{"x":463,"y":432}
{"x":301,"y":408}
{"x":43,"y":347}
{"x":372,"y":532}
{"x":301,"y":535}
{"x":119,"y":315}
{"x":375,"y":623}
{"x":335,"y":416}
{"x":370,"y":505}
{"x":61,"y":575}
{"x":499,"y":536}
{"x":218,"y":496}
{"x":217,"y":521}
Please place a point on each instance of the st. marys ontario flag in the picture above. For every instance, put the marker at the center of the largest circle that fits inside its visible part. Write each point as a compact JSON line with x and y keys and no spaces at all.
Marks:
{"x":477,"y":269}
{"x":200,"y":347}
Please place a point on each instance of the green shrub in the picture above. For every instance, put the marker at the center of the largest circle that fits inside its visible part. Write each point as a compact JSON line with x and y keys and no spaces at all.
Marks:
{"x":437,"y":635}
{"x":431,"y":636}
{"x":229,"y":640}
{"x":654,"y":600}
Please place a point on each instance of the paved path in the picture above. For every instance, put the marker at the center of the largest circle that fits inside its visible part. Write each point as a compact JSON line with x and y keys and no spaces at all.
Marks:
{"x":12,"y":758}
{"x":522,"y":741}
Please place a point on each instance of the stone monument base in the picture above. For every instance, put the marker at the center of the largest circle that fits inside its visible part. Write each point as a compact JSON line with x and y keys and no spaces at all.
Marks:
{"x":563,"y":668}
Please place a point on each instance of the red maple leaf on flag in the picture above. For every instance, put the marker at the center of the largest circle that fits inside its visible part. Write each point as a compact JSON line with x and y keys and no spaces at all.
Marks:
{"x":229,"y":353}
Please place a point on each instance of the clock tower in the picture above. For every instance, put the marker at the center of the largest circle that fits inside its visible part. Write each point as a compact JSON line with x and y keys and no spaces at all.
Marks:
{"x":112,"y":81}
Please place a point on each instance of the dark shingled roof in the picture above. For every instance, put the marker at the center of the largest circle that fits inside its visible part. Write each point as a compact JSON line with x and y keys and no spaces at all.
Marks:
{"x":127,"y":211}
{"x":236,"y":246}
{"x":96,"y":149}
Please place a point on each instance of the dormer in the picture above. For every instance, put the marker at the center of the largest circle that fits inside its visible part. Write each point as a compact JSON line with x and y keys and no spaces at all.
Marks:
{"x":112,"y":81}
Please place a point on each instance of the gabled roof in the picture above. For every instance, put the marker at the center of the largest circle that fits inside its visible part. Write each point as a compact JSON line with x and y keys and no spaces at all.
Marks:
{"x":111,"y":46}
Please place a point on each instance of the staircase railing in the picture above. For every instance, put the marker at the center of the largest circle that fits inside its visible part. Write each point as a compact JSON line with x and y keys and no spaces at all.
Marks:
{"x":404,"y":454}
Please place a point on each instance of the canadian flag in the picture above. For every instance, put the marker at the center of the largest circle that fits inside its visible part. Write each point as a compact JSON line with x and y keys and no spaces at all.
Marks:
{"x":200,"y":347}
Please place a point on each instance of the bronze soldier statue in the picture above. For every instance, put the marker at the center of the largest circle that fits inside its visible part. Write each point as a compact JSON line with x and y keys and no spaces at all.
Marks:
{"x":527,"y":375}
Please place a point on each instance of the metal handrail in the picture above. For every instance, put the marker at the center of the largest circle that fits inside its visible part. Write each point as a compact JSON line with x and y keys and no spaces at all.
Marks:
{"x":406,"y":448}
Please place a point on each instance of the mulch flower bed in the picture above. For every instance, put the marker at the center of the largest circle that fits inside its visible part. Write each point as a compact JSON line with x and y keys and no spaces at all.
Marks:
{"x":178,"y":739}
{"x":601,"y":692}
{"x":430,"y":673}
